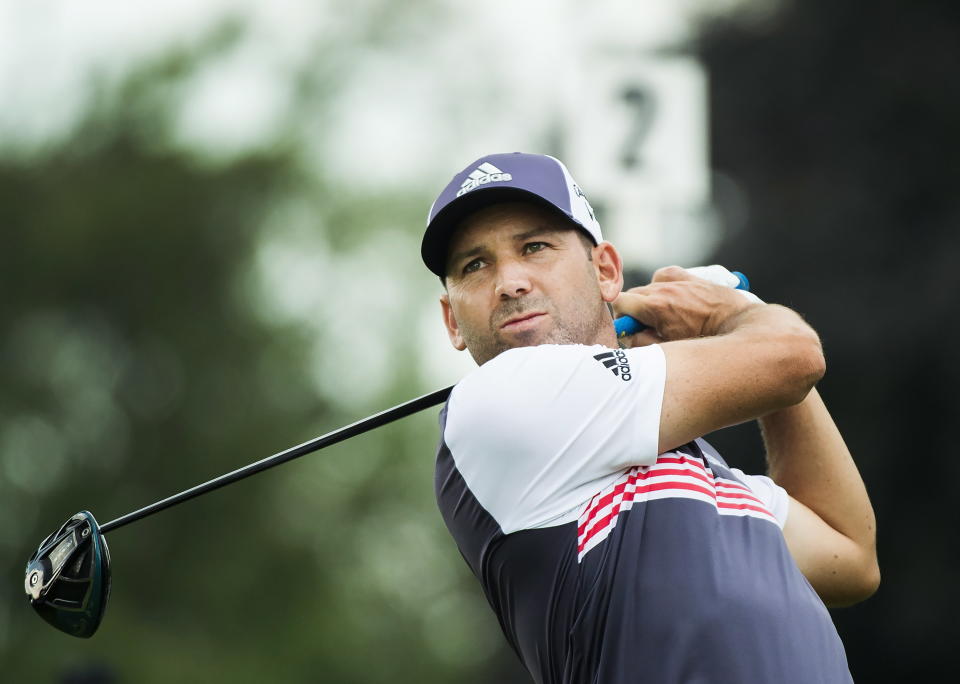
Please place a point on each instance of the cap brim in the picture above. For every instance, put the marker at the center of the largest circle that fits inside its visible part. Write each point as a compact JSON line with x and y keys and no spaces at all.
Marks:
{"x":436,"y":239}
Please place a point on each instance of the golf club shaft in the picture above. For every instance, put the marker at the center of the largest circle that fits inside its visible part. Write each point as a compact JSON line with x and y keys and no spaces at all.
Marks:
{"x":624,"y":326}
{"x":361,"y":426}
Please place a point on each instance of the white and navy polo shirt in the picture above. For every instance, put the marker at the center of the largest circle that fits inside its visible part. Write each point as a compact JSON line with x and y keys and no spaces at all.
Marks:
{"x":608,"y":562}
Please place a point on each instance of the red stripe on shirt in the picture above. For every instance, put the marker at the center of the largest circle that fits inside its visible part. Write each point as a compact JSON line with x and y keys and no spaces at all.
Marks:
{"x":590,"y":526}
{"x":656,"y":487}
{"x":646,"y":472}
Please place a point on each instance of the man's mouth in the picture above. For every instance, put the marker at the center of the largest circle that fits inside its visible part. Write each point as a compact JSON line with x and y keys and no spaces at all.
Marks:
{"x":522,"y":321}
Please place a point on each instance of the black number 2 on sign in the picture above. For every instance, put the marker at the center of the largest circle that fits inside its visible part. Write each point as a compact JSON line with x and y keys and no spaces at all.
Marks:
{"x":642,"y":105}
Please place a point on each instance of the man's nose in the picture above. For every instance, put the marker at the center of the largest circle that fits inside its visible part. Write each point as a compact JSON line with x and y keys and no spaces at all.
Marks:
{"x":512,"y":280}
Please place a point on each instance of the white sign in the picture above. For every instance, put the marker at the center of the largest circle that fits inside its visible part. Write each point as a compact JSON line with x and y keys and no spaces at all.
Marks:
{"x":635,"y":138}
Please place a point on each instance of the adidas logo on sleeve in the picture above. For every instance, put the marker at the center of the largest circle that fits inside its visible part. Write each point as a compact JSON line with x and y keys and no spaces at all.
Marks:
{"x":483,"y":174}
{"x":616,"y":361}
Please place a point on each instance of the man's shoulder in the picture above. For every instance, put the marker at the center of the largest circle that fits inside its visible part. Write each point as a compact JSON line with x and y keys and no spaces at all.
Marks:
{"x":548,"y":360}
{"x":522,"y":378}
{"x":524,"y":362}
{"x":541,"y":351}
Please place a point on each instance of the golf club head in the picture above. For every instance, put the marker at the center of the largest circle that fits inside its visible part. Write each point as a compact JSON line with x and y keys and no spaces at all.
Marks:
{"x":68,"y":578}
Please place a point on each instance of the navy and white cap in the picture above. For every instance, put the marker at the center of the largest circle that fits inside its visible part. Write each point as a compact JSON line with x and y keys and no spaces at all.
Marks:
{"x":503,"y":178}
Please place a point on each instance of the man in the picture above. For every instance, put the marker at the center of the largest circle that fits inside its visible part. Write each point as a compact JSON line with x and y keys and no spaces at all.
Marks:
{"x":612,"y":542}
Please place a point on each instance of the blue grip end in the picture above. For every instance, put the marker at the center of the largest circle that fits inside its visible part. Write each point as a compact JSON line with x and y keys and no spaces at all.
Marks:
{"x":627,"y":325}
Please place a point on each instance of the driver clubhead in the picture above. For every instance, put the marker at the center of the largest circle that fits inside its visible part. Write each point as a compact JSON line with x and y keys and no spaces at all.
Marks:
{"x":68,"y":578}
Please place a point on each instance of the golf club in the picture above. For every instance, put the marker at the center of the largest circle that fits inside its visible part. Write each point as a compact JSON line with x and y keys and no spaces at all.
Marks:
{"x":68,"y":577}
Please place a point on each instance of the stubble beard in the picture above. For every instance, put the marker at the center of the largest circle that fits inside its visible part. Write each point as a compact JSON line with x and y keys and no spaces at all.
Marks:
{"x":582,"y":323}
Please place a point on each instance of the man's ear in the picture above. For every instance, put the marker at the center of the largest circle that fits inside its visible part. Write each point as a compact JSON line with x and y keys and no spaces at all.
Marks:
{"x":609,"y":268}
{"x":449,"y":320}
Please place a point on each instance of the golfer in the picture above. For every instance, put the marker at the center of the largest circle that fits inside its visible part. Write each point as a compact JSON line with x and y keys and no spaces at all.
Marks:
{"x":613,"y":543}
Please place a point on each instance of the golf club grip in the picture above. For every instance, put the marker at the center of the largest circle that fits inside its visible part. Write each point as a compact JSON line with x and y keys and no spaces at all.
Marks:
{"x":628,"y":325}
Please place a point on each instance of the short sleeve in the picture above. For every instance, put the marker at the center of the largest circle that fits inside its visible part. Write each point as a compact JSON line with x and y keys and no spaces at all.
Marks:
{"x":773,"y":496}
{"x":538,"y":430}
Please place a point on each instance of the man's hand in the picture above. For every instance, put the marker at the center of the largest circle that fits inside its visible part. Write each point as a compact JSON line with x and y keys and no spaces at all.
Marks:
{"x":677,"y":305}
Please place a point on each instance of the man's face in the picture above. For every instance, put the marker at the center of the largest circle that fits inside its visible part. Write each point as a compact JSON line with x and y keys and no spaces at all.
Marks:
{"x":518,"y":275}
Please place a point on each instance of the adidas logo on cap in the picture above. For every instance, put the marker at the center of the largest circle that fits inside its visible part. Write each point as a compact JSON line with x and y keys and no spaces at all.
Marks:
{"x":483,"y":174}
{"x":616,"y":361}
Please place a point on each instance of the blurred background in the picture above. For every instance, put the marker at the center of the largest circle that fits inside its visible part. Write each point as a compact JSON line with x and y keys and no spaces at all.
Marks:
{"x":211,"y":216}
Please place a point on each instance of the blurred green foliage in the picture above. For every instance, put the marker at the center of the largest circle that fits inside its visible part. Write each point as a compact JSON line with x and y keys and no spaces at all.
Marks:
{"x":138,"y":358}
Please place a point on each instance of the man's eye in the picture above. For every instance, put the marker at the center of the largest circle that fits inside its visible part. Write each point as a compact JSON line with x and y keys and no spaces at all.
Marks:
{"x":531,"y":247}
{"x":472,"y":266}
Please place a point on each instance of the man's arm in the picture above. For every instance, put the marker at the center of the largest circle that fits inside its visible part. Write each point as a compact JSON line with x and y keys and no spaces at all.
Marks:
{"x":729,"y":361}
{"x":830,"y":529}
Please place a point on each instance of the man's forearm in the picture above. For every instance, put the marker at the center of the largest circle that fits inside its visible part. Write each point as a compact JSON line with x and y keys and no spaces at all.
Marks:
{"x":808,"y":457}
